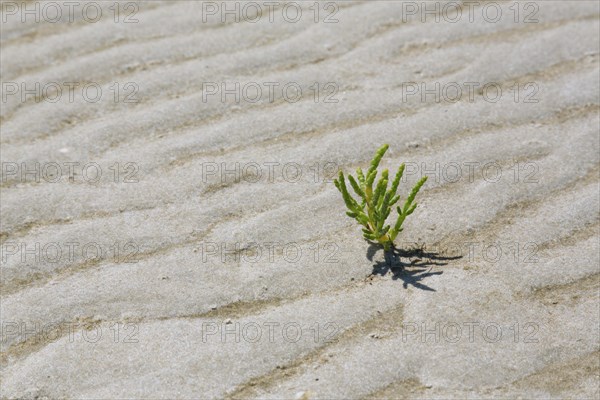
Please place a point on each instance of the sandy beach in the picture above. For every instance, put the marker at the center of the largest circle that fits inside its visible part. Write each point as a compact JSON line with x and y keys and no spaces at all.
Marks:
{"x":170,"y":228}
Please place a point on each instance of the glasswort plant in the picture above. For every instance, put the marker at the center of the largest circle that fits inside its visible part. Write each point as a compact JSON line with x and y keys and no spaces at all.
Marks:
{"x":376,"y":204}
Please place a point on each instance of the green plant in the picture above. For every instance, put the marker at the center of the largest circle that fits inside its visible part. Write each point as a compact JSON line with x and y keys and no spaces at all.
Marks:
{"x":376,"y":204}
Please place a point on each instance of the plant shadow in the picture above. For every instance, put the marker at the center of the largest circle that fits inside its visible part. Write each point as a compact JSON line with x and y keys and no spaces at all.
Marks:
{"x":419,"y":260}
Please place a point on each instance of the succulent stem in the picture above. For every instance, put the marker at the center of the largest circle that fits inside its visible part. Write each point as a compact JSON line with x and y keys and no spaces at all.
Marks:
{"x":378,"y":202}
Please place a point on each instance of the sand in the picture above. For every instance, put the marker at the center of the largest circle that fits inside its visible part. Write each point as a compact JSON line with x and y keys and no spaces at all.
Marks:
{"x":192,"y":247}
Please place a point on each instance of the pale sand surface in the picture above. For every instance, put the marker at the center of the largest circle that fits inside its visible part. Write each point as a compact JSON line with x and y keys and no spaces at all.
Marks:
{"x":363,"y":335}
